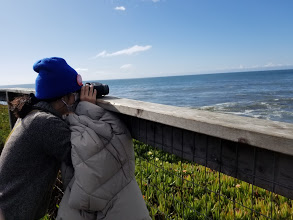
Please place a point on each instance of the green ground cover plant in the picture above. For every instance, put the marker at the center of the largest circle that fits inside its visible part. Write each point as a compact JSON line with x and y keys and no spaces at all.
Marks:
{"x":176,"y":189}
{"x":4,"y":125}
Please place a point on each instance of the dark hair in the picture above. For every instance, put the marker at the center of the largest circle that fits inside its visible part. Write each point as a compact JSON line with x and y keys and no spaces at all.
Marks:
{"x":22,"y":105}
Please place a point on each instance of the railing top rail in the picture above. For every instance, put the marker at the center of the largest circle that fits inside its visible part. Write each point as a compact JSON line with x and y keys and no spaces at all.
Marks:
{"x":271,"y":135}
{"x":17,"y":90}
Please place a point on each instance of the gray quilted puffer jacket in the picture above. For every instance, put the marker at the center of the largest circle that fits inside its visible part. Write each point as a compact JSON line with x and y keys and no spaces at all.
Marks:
{"x":103,"y":185}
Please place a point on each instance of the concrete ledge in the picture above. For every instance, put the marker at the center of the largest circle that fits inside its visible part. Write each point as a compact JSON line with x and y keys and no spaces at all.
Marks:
{"x":271,"y":135}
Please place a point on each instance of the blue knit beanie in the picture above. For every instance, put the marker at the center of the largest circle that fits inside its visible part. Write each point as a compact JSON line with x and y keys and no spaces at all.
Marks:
{"x":56,"y":78}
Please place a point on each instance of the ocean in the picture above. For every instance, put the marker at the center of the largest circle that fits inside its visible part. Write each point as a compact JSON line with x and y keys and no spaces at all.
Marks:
{"x":260,"y":94}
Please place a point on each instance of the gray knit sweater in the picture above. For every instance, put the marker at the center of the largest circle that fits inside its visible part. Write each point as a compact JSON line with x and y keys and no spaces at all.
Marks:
{"x":30,"y":162}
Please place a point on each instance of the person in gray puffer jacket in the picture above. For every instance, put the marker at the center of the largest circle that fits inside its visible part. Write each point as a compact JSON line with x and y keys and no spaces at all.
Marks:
{"x":101,"y":184}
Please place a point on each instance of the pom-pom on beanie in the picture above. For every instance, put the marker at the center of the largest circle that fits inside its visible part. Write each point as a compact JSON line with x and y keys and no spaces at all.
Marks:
{"x":56,"y":78}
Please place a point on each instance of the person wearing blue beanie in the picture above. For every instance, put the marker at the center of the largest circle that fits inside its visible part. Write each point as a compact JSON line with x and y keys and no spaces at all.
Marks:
{"x":56,"y":78}
{"x":39,"y":141}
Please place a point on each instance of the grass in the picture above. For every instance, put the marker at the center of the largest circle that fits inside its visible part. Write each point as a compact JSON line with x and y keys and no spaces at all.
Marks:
{"x":4,"y":125}
{"x":175,"y":189}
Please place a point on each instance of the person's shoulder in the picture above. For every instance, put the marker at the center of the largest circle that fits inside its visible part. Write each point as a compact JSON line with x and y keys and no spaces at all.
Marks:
{"x":89,"y":109}
{"x":38,"y":115}
{"x":47,"y":119}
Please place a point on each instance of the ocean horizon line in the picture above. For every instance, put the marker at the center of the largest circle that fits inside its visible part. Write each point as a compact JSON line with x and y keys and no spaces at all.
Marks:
{"x":153,"y":77}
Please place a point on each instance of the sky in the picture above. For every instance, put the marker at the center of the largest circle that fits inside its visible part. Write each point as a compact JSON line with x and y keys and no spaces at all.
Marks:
{"x":115,"y":39}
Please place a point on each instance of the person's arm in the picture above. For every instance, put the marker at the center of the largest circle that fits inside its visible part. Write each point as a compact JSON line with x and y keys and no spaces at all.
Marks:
{"x":56,"y":139}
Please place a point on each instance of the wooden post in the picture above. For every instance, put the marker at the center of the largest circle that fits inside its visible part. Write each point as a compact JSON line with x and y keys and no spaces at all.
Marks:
{"x":9,"y":97}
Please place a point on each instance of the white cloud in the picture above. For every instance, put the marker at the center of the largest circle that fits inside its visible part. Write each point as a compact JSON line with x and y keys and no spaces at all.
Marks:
{"x":276,"y":65}
{"x":81,"y":70}
{"x":102,"y":54}
{"x":269,"y":65}
{"x":128,"y":51}
{"x":120,"y":8}
{"x":126,"y":66}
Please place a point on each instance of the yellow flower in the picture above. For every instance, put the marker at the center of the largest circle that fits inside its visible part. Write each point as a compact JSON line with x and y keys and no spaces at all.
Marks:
{"x":150,"y":153}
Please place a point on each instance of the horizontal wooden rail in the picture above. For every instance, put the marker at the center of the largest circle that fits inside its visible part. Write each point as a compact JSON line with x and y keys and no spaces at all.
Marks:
{"x":270,"y":135}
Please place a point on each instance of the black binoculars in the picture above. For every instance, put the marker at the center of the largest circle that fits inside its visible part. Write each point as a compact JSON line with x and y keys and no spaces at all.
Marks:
{"x":102,"y":89}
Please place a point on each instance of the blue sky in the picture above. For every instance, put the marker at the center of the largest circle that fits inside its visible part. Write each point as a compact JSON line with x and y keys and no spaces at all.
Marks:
{"x":109,"y":39}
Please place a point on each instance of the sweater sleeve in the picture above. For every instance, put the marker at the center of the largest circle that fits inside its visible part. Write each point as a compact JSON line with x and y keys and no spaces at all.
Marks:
{"x":56,"y":139}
